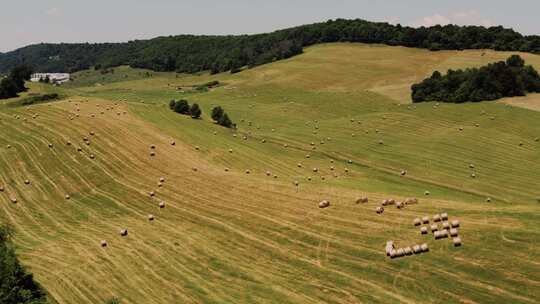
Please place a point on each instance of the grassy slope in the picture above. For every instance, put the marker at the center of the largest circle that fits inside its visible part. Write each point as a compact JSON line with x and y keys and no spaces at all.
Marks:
{"x":232,"y":237}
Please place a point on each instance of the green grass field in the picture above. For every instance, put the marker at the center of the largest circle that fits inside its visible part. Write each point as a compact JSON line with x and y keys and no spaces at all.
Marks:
{"x":232,"y":237}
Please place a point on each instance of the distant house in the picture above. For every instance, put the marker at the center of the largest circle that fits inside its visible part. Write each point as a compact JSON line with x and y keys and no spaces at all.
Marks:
{"x":53,"y":77}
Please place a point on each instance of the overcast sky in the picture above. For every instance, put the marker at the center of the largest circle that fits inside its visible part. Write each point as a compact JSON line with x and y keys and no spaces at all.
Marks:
{"x":27,"y":22}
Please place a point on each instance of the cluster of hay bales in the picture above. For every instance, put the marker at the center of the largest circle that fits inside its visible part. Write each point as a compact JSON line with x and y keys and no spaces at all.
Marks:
{"x":392,"y":252}
{"x":379,"y":210}
{"x":448,"y":229}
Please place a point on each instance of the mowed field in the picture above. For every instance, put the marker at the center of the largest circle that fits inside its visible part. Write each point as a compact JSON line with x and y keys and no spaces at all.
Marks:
{"x":226,"y":236}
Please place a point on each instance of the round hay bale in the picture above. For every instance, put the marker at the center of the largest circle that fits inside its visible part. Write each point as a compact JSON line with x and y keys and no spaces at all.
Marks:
{"x":92,"y":133}
{"x":324,"y":204}
{"x":408,"y":251}
{"x":393,"y":254}
{"x":162,"y":204}
{"x":92,"y":156}
{"x":379,"y":210}
{"x":50,"y":145}
{"x":349,"y":161}
{"x":268,"y":173}
{"x":425,"y":220}
{"x":263,"y":141}
{"x":152,"y":193}
{"x":79,"y":149}
{"x":299,"y":165}
{"x":444,"y":216}
{"x":296,"y":183}
{"x":123,"y":232}
{"x":417,"y":222}
{"x":456,"y":241}
{"x":150,"y":217}
{"x":411,"y":201}
{"x":416,"y":249}
{"x":446,"y":225}
{"x":226,"y":169}
{"x":275,"y":176}
{"x":160,"y":184}
{"x":434,"y":227}
{"x":332,"y":168}
{"x":384,"y":202}
{"x":152,"y":153}
{"x":309,"y":178}
{"x":346,"y":170}
{"x":152,"y":147}
{"x":87,"y":143}
{"x":26,"y":182}
{"x":67,"y":197}
{"x":453,"y":232}
{"x":162,"y":179}
{"x":403,"y":172}
{"x":2,"y":189}
{"x":286,"y":145}
{"x":244,"y":137}
{"x":68,"y":143}
{"x":424,"y":230}
{"x":537,"y":139}
{"x":488,"y":200}
{"x":247,"y":171}
{"x":195,"y":169}
{"x":391,"y":201}
{"x":473,"y":175}
{"x":400,"y":252}
{"x":315,"y":169}
{"x":454,"y":223}
{"x":308,"y":156}
{"x":424,"y":247}
{"x":13,"y":200}
{"x":461,"y":128}
{"x":9,"y":146}
{"x":426,"y":193}
{"x":103,"y":243}
{"x":197,"y":148}
{"x":400,"y":205}
{"x":437,"y":218}
{"x":173,"y":143}
{"x":362,"y":200}
{"x":471,"y":166}
{"x":230,"y":150}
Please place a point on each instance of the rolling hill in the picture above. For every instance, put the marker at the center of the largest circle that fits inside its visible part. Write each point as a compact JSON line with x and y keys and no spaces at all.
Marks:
{"x":229,"y":235}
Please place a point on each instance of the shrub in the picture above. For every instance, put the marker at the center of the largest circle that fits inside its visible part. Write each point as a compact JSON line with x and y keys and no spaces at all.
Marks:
{"x":181,"y":106}
{"x":171,"y":104}
{"x":195,"y":111}
{"x":225,"y":121}
{"x":217,"y":113}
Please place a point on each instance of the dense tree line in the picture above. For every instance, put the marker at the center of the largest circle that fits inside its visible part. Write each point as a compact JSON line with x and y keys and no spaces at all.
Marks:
{"x":494,"y":81}
{"x":16,"y":284}
{"x":13,"y":84}
{"x":189,"y":53}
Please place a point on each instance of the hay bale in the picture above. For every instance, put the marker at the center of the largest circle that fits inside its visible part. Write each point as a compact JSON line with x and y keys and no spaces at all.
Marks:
{"x":150,"y":217}
{"x":400,"y":205}
{"x":332,"y":168}
{"x":434,"y":227}
{"x":309,"y":178}
{"x":403,"y":172}
{"x":446,"y":225}
{"x":50,"y":145}
{"x":362,"y":200}
{"x":417,"y":222}
{"x":444,"y":216}
{"x":384,"y":202}
{"x":248,"y":172}
{"x":197,"y":148}
{"x":79,"y":149}
{"x":453,"y":232}
{"x":454,"y":223}
{"x":153,"y":147}
{"x":441,"y":234}
{"x":346,"y":170}
{"x":324,"y":204}
{"x":296,"y":183}
{"x":26,"y":182}
{"x":103,"y":243}
{"x":411,"y":201}
{"x":275,"y":176}
{"x":123,"y":232}
{"x":299,"y":165}
{"x":424,"y":247}
{"x":456,"y":241}
{"x":9,"y":146}
{"x":315,"y":169}
{"x":473,"y":175}
{"x":425,"y":220}
{"x":408,"y":250}
{"x":173,"y":143}
{"x":160,"y":184}
{"x":416,"y":249}
{"x":13,"y":200}
{"x":400,"y":252}
{"x":68,"y":143}
{"x":389,"y":247}
{"x":424,"y":230}
{"x":92,"y":156}
{"x":426,"y":193}
{"x":152,"y":193}
{"x":67,"y":197}
{"x":349,"y":161}
{"x":162,"y":204}
{"x":308,"y":156}
{"x":379,"y":210}
{"x":488,"y":200}
{"x":391,"y":201}
{"x":2,"y":189}
{"x":226,"y":169}
{"x":195,"y":169}
{"x":152,"y":153}
{"x":162,"y":179}
{"x":437,"y":218}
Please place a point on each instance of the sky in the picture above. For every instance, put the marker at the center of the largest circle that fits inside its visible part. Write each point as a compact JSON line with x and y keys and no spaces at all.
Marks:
{"x":34,"y":21}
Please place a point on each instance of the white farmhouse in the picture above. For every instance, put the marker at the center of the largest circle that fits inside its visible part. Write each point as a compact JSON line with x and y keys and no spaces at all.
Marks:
{"x":53,"y":77}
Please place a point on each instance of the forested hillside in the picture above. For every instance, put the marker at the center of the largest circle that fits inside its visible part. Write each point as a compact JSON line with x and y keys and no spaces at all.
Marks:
{"x":188,"y":53}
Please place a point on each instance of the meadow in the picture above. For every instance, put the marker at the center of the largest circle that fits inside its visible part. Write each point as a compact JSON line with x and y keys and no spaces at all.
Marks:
{"x":226,"y":236}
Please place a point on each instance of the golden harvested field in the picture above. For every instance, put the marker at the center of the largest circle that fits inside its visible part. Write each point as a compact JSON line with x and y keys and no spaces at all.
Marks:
{"x":226,"y":236}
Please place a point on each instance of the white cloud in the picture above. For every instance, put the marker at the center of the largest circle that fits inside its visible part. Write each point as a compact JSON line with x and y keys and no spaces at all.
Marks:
{"x":54,"y":11}
{"x":470,"y":17}
{"x":391,"y":20}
